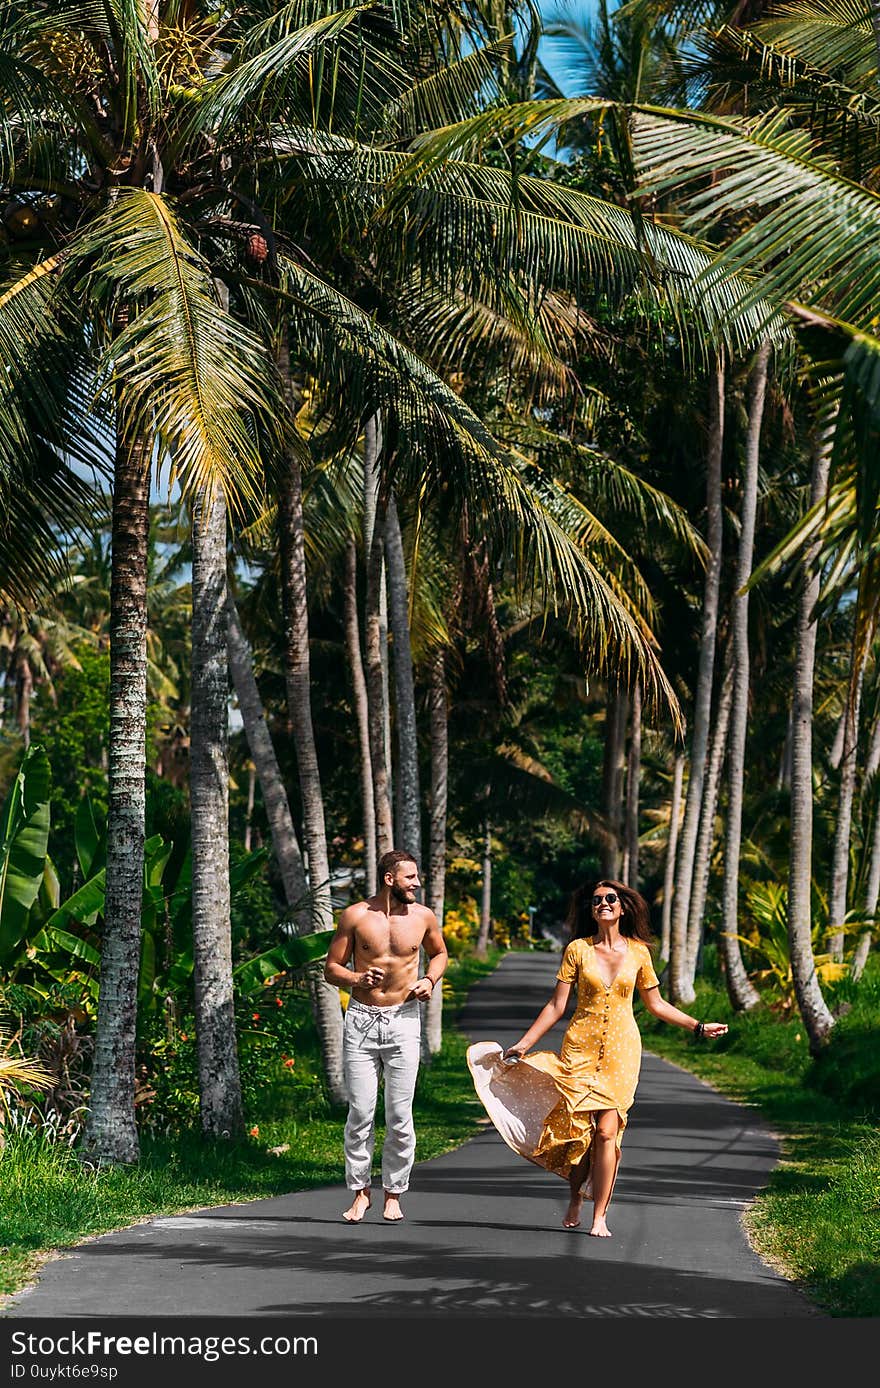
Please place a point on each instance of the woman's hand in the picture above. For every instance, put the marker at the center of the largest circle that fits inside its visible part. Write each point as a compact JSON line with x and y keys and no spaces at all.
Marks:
{"x":514,"y":1053}
{"x":713,"y":1029}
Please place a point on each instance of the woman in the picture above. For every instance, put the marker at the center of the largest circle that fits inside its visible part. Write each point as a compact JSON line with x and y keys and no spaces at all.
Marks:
{"x":567,"y":1112}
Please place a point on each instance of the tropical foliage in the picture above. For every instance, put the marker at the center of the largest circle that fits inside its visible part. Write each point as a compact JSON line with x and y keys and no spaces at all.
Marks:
{"x":511,"y":408}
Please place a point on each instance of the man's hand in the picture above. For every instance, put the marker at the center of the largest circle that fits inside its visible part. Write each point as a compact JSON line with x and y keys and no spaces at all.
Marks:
{"x":370,"y":978}
{"x":422,"y":990}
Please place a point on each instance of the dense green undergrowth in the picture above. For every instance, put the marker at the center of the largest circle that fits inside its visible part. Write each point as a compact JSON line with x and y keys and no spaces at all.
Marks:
{"x":49,"y":1200}
{"x":818,"y":1220}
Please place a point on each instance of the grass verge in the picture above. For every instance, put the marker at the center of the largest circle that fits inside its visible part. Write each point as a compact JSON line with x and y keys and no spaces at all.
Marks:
{"x":818,"y":1220}
{"x":49,"y":1201}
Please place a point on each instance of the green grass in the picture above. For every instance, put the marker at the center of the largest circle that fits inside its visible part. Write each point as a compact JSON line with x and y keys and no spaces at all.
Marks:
{"x":818,"y":1220}
{"x":49,"y":1200}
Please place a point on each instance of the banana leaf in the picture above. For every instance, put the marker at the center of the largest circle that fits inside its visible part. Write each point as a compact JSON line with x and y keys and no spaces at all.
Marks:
{"x":89,"y":841}
{"x":24,"y":841}
{"x":293,"y":954}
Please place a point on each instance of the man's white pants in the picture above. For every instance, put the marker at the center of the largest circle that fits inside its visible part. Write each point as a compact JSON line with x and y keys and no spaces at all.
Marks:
{"x":380,"y":1041}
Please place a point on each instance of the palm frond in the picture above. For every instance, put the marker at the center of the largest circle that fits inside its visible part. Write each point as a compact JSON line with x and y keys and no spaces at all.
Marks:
{"x":31,"y":104}
{"x":607,"y":482}
{"x":461,"y":334}
{"x":338,"y":63}
{"x":833,"y":36}
{"x":135,"y":57}
{"x":45,"y":425}
{"x":752,"y":68}
{"x":182,"y":369}
{"x":458,"y":218}
{"x":456,"y":91}
{"x":816,"y":238}
{"x":442,"y":446}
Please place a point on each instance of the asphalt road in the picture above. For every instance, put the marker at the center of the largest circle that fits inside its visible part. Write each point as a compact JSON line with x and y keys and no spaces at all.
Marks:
{"x":483,"y":1234}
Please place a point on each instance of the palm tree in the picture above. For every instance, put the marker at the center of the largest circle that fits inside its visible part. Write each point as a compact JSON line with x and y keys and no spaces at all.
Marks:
{"x":262,"y":750}
{"x":671,"y":846}
{"x":131,"y":287}
{"x":706,"y":835}
{"x":808,"y":186}
{"x":812,"y":1006}
{"x":409,"y":831}
{"x":219,"y":1082}
{"x":325,"y":998}
{"x":439,"y":732}
{"x":359,"y":693}
{"x":742,"y":992}
{"x":633,"y":773}
{"x":681,"y":974}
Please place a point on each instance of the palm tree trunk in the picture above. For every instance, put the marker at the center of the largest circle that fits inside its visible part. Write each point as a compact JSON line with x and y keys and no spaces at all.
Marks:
{"x":706,"y":836}
{"x":633,"y":775}
{"x":361,"y":709}
{"x":372,"y":489}
{"x":409,"y":833}
{"x":486,"y":895}
{"x":111,"y":1131}
{"x":783,"y":780}
{"x":249,"y":809}
{"x":25,"y":693}
{"x":872,"y":760}
{"x":437,"y":852}
{"x":376,"y":687}
{"x":325,"y":998}
{"x":872,"y":892}
{"x":672,"y":842}
{"x":219,"y":1079}
{"x":742,"y":992}
{"x":840,"y":853}
{"x":814,"y":1011}
{"x":617,"y":709}
{"x":835,"y":755}
{"x":284,"y":841}
{"x":681,"y":982}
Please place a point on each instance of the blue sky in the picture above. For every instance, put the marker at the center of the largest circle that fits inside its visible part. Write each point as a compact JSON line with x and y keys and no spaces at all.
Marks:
{"x":580,"y":9}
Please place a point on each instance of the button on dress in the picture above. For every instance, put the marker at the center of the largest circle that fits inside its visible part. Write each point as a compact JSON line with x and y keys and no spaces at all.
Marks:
{"x":545,"y":1106}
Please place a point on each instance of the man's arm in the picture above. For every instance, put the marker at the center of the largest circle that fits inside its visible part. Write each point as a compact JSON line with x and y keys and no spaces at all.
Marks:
{"x":435,"y":948}
{"x":341,"y":949}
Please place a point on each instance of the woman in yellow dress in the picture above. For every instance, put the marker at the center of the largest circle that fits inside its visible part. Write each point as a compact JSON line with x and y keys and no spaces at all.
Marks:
{"x":567,"y":1112}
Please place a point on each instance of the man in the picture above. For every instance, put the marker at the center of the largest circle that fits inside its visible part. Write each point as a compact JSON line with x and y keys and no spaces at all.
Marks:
{"x":375,"y":954}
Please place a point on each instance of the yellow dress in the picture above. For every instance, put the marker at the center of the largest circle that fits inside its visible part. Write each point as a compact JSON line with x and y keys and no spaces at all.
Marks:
{"x":545,"y":1107}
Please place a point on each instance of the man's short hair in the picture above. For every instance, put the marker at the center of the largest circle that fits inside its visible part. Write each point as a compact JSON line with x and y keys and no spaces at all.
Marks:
{"x":389,"y":862}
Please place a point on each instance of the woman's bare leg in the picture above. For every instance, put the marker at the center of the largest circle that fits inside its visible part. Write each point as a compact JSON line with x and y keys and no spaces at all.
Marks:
{"x":576,"y":1178}
{"x":605,"y":1158}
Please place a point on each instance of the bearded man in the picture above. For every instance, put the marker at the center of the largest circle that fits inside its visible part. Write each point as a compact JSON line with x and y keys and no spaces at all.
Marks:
{"x":374,"y":954}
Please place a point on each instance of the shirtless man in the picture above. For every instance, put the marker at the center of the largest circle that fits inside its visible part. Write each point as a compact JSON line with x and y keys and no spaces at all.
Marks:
{"x":375,"y":954}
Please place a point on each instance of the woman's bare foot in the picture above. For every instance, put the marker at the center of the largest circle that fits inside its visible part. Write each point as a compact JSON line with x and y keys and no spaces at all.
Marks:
{"x":392,"y":1208}
{"x":358,"y":1207}
{"x":600,"y":1229}
{"x":573,"y":1213}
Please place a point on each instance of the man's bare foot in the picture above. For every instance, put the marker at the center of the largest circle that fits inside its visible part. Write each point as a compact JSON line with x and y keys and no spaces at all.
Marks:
{"x":358,"y":1208}
{"x":573,"y":1213}
{"x":600,"y":1229}
{"x":392,"y":1208}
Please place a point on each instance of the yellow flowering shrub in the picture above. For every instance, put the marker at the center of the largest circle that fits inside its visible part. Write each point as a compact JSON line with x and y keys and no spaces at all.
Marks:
{"x":461,"y":924}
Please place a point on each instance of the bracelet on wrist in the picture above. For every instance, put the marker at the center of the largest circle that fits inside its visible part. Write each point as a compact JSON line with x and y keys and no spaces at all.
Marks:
{"x":698,"y":1030}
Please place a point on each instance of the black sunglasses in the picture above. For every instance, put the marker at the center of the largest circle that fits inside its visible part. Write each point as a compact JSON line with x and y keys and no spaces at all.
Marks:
{"x":610,"y":897}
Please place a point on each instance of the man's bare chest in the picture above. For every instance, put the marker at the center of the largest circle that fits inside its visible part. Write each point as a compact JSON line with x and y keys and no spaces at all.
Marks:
{"x":381,"y":938}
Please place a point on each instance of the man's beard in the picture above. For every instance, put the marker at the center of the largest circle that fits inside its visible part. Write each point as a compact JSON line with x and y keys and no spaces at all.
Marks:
{"x":401,"y":893}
